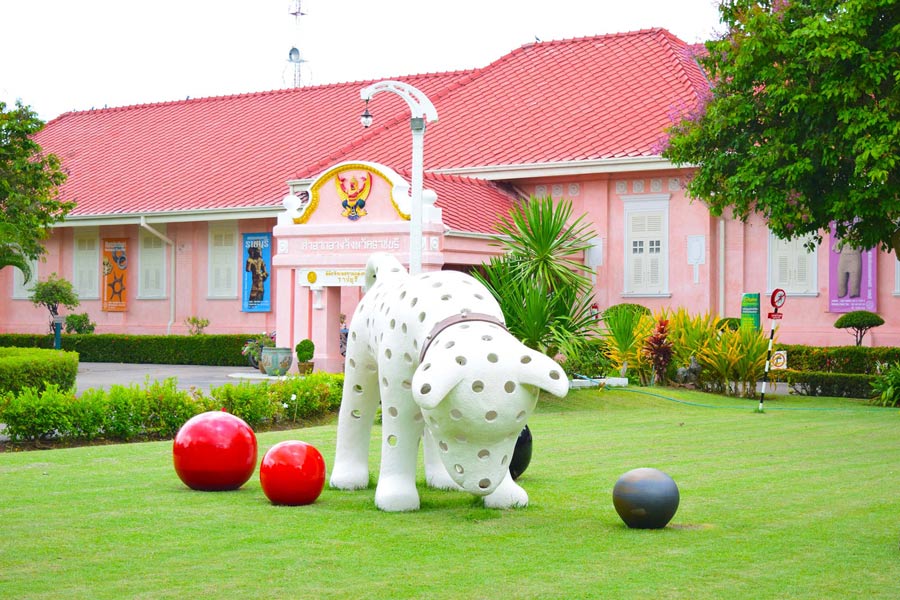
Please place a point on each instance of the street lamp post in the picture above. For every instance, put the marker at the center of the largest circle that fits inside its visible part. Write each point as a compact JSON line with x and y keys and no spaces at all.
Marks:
{"x":421,"y":111}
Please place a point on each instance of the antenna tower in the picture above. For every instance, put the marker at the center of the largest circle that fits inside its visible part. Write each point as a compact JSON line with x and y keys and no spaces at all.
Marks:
{"x":294,"y":56}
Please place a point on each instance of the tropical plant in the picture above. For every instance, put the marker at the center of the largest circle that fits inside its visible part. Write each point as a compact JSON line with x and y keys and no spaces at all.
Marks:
{"x":538,"y":283}
{"x":11,"y":252}
{"x":658,"y":350}
{"x":691,"y":333}
{"x":625,"y":328}
{"x":733,"y":361}
{"x":886,"y":386}
{"x":859,"y":322}
{"x":52,"y":293}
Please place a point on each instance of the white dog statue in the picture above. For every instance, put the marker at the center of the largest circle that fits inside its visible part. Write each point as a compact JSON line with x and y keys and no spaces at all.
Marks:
{"x":434,"y":352}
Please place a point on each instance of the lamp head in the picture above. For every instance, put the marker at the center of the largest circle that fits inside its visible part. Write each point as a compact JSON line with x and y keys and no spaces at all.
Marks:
{"x":366,"y":118}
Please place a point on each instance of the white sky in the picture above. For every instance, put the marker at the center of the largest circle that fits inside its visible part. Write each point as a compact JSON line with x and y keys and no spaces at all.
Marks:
{"x":60,"y":55}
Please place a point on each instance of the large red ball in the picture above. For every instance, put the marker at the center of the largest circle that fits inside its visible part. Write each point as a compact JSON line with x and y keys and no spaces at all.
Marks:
{"x":215,"y":451}
{"x":292,"y":473}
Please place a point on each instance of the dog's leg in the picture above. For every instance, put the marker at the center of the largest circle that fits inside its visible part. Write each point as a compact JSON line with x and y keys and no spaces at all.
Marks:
{"x":436,"y":474}
{"x":401,"y":430}
{"x":508,"y":494}
{"x":359,"y":403}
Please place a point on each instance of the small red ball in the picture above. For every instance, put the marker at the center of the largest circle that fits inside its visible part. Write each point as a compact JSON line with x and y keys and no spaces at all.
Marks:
{"x":215,"y":451}
{"x":292,"y":473}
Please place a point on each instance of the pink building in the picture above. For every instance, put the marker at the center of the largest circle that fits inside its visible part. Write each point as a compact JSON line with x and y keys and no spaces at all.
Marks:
{"x":180,"y":192}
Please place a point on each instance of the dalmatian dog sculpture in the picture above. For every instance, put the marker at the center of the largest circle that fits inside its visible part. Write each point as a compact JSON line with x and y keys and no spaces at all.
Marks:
{"x":434,"y":352}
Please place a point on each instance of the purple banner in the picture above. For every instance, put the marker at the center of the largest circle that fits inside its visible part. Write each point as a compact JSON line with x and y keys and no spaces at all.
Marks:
{"x":852,"y":275}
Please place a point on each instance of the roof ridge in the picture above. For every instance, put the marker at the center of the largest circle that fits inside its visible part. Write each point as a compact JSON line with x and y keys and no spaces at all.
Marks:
{"x":277,"y":91}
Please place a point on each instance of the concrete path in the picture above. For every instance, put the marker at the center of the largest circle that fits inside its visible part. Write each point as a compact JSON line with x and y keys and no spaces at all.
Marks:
{"x":104,"y":375}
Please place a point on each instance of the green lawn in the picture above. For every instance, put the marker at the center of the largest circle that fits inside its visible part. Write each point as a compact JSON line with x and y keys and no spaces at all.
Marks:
{"x":802,"y":501}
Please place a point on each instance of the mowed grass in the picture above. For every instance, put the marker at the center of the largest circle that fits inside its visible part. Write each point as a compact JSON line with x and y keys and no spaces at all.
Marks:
{"x":802,"y":501}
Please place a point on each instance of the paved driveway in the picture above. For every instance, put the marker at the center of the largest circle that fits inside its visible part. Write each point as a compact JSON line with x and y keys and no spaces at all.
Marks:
{"x":96,"y":375}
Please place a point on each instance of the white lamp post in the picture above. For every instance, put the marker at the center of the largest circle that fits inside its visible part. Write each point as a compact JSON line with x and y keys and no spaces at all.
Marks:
{"x":422,"y":110}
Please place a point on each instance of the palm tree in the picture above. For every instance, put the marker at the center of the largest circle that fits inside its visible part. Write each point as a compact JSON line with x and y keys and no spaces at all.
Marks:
{"x":540,"y":285}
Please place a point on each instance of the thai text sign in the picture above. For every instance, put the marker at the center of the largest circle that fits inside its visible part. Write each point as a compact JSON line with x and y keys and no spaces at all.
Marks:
{"x":750,"y":311}
{"x":256,"y":292}
{"x":331,"y":277}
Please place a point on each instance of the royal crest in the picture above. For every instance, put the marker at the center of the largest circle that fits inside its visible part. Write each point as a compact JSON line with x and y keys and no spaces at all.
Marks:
{"x":353,"y":191}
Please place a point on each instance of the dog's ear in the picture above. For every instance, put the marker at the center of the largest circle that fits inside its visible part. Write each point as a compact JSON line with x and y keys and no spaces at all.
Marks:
{"x":540,"y":371}
{"x":430,"y":384}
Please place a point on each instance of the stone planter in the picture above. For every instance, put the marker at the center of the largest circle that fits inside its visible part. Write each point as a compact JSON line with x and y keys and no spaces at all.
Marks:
{"x":276,"y":361}
{"x":304,"y":368}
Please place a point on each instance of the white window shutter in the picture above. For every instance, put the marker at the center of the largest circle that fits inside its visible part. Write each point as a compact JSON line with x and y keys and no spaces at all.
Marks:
{"x":86,"y":264}
{"x":223,"y":249}
{"x":153,"y":265}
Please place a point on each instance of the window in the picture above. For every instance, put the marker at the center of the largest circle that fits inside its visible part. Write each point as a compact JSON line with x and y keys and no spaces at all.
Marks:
{"x":646,"y":245}
{"x":792,"y":267}
{"x":22,"y":290}
{"x":223,"y":258}
{"x":152,"y":282}
{"x":86,"y":263}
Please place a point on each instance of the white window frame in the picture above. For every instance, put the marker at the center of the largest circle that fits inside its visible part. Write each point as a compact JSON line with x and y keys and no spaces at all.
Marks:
{"x":19,"y":289}
{"x":152,"y":258}
{"x":222,"y":257}
{"x":86,"y":263}
{"x":646,"y":203}
{"x":812,"y":267}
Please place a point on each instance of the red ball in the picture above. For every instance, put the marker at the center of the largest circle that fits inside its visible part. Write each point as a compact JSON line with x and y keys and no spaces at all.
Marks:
{"x":292,"y":473}
{"x":215,"y":451}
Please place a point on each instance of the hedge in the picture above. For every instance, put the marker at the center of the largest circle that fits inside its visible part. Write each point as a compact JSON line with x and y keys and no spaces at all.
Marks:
{"x":213,"y":349}
{"x":818,"y":383}
{"x":21,"y":368}
{"x":839,"y":359}
{"x":158,"y":409}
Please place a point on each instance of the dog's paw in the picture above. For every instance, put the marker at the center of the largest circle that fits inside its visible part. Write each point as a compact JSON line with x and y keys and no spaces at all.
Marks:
{"x":396,"y":495}
{"x":508,"y":494}
{"x":350,"y":477}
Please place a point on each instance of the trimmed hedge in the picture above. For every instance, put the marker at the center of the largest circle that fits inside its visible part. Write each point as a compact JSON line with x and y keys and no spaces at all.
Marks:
{"x":839,"y":359}
{"x":158,"y":409}
{"x":818,"y":383}
{"x":22,"y":368}
{"x":215,"y":350}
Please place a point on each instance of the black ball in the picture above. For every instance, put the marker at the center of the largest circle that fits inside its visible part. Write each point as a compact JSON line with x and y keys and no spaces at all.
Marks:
{"x":521,"y":454}
{"x":646,"y":498}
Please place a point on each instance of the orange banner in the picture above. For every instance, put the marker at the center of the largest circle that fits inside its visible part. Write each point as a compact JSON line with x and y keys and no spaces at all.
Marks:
{"x":115,"y":271}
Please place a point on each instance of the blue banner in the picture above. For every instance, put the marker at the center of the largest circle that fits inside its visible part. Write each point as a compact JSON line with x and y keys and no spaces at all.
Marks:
{"x":256,"y":294}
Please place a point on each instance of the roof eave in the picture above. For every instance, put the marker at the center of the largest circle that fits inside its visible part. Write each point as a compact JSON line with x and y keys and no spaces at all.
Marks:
{"x":218,"y":214}
{"x":562,"y":169}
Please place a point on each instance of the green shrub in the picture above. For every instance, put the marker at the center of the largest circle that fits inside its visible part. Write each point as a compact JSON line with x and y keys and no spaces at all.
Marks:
{"x":305,"y":350}
{"x":215,"y":349}
{"x":859,"y":321}
{"x":34,"y":415}
{"x":839,"y":359}
{"x":886,"y":386}
{"x":249,"y":401}
{"x":196,"y":325}
{"x":309,"y":397}
{"x":124,"y":415}
{"x":87,"y":415}
{"x":166,"y":408}
{"x":587,"y":359}
{"x":817,"y":383}
{"x":612,"y":311}
{"x":80,"y":323}
{"x":21,"y":368}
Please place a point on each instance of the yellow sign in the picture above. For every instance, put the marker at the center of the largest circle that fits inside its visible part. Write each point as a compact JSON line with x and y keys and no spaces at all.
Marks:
{"x":332,"y":277}
{"x":779,"y":359}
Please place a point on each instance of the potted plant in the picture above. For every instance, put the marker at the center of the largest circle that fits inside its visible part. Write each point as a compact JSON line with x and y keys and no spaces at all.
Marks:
{"x":305,"y":350}
{"x":253,"y":349}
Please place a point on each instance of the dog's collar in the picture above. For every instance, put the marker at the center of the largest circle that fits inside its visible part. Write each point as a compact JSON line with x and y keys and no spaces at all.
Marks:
{"x":455,"y":320}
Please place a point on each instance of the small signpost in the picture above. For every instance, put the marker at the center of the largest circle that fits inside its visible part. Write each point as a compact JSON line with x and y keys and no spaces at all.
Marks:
{"x":777,"y":300}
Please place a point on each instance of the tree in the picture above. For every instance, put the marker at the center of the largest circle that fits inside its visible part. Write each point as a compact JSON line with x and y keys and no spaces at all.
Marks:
{"x":29,"y":180}
{"x":53,"y":292}
{"x":801,"y":122}
{"x":859,"y":321}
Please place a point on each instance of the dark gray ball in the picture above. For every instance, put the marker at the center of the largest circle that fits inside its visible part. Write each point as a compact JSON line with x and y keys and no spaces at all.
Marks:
{"x":646,"y":498}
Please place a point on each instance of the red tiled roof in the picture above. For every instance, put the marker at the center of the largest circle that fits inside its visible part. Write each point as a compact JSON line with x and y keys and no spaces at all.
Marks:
{"x":581,"y":99}
{"x":469,"y":204}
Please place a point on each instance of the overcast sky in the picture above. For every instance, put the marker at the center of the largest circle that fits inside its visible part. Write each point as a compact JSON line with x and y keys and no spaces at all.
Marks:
{"x":60,"y":55}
